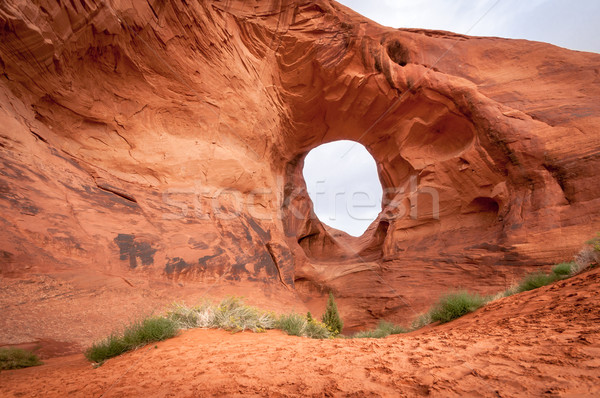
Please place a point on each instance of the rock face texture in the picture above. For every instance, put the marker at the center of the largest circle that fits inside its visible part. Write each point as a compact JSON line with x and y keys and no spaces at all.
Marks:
{"x":152,"y":151}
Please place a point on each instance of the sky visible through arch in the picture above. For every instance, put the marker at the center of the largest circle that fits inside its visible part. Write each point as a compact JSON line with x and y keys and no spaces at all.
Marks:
{"x":572,"y":24}
{"x":343,"y":184}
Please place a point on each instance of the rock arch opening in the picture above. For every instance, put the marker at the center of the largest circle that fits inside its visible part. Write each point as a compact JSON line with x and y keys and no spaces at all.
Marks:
{"x":343,"y":184}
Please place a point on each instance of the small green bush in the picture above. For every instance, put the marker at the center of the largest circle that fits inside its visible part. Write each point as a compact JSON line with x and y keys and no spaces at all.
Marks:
{"x":421,"y":321}
{"x":150,"y":330}
{"x":230,"y":314}
{"x":16,"y":358}
{"x":110,"y":347}
{"x":562,"y":269}
{"x":455,"y":305}
{"x":536,"y":280}
{"x":595,"y":242}
{"x":369,"y":334}
{"x":134,"y":336}
{"x":391,"y":328}
{"x":316,"y":330}
{"x":332,"y":318}
{"x":292,"y":324}
{"x":588,"y":256}
{"x":187,"y":318}
{"x":382,"y":330}
{"x":297,"y":325}
{"x":233,"y":314}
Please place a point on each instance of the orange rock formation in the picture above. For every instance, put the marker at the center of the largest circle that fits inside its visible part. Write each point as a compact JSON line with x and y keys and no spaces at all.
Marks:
{"x":152,"y":151}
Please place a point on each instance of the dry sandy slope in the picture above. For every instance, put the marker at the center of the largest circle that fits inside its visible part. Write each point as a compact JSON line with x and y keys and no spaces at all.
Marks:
{"x":544,"y":342}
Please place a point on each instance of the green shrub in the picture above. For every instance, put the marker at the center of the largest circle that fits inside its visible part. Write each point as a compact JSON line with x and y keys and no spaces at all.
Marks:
{"x":135,"y":335}
{"x":588,"y":256}
{"x":369,"y":334}
{"x":292,"y":324}
{"x":331,"y":317}
{"x":298,"y":325}
{"x":110,"y":347}
{"x":421,"y":321}
{"x":391,"y":328}
{"x":562,"y":269}
{"x":187,"y":318}
{"x":382,"y":330}
{"x":536,"y":280}
{"x":233,"y":314}
{"x":455,"y":305}
{"x":514,"y":289}
{"x":150,"y":330}
{"x":316,"y":330}
{"x":16,"y":358}
{"x":230,"y":314}
{"x":595,"y":242}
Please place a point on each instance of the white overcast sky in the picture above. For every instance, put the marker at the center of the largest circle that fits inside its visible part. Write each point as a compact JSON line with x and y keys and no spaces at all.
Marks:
{"x":331,"y":170}
{"x":341,"y":179}
{"x":573,"y":24}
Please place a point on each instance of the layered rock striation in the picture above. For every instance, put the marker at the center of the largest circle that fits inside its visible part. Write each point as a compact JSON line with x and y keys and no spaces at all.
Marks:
{"x":152,"y":151}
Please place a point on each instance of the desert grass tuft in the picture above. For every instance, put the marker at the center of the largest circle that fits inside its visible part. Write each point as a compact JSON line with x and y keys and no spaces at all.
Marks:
{"x":135,"y":335}
{"x":316,"y":330}
{"x":563,"y":270}
{"x":455,"y":305}
{"x":298,"y":325}
{"x":382,"y":330}
{"x":16,"y":358}
{"x":536,"y":280}
{"x":292,"y":324}
{"x":230,"y":314}
{"x":191,"y":317}
{"x":421,"y":321}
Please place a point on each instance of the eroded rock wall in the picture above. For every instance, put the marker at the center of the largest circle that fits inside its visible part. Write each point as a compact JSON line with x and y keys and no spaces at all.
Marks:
{"x":159,"y":146}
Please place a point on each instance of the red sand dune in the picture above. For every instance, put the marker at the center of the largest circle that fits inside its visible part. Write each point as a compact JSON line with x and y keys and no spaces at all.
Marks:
{"x":544,"y":342}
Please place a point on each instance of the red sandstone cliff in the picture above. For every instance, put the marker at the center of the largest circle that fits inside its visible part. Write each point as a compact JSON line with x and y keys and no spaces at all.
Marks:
{"x":152,"y":151}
